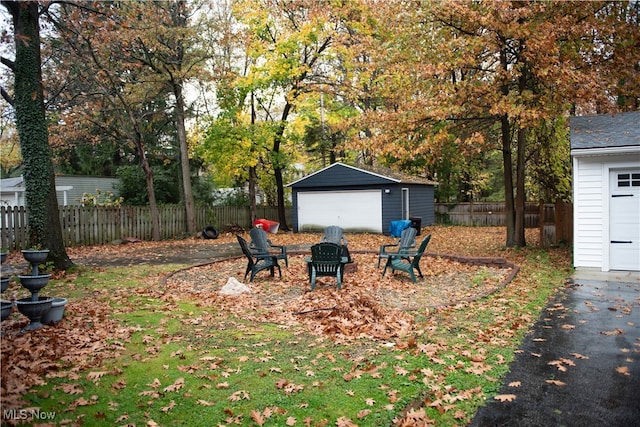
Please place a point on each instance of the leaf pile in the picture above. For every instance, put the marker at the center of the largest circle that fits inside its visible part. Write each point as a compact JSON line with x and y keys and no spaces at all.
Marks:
{"x":78,"y":342}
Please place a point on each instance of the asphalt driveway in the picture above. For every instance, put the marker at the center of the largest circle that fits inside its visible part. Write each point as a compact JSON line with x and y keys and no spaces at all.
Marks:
{"x":580,"y":364}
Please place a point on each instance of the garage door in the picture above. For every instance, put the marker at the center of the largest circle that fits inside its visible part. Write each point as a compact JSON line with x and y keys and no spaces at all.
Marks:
{"x":351,"y":210}
{"x":624,"y":217}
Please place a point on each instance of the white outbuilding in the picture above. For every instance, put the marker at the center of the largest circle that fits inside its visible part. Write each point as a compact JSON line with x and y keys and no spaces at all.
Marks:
{"x":605,"y":151}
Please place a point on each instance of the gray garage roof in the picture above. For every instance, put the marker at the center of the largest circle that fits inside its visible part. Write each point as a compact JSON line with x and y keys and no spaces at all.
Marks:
{"x":340,"y":174}
{"x":603,"y":131}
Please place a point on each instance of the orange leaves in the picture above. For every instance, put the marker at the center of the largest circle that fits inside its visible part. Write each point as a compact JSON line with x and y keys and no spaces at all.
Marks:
{"x":624,"y":370}
{"x":177,"y":385}
{"x":288,"y":387}
{"x":505,"y":397}
{"x":27,"y":358}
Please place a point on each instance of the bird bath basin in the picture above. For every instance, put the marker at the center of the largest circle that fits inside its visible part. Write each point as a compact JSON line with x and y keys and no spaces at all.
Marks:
{"x":34,"y":310}
{"x":34,"y":283}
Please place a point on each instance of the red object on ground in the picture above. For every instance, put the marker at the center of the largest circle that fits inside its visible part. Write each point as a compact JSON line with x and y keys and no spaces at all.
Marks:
{"x":266,"y":225}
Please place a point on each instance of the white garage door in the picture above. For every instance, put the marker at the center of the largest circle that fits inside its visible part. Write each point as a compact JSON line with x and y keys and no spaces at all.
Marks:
{"x":351,"y":210}
{"x":624,"y":211}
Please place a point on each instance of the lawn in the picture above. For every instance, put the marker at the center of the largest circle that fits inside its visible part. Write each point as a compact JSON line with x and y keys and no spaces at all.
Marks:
{"x":154,"y":343}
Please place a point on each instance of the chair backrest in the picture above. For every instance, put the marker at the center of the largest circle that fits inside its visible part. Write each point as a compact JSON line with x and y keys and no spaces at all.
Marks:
{"x":245,"y":249}
{"x":407,"y":238}
{"x":421,"y":250}
{"x":326,"y":256}
{"x":334,"y":234}
{"x":259,"y":240}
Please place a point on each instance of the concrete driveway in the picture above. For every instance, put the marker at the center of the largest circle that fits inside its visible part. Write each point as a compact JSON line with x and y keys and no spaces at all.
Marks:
{"x":580,"y":365}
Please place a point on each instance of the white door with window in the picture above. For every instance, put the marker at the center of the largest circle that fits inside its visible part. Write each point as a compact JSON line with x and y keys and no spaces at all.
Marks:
{"x":624,"y":220}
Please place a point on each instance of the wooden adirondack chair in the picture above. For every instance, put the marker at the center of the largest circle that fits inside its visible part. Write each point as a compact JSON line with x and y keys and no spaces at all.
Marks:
{"x":256,"y":264}
{"x":262,"y":247}
{"x":406,"y":241}
{"x":407,"y":262}
{"x":326,"y":260}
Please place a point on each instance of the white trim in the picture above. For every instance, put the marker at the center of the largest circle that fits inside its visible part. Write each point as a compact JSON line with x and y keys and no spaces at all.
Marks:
{"x":606,"y":215}
{"x":609,"y":151}
{"x":341,"y":164}
{"x":404,"y":191}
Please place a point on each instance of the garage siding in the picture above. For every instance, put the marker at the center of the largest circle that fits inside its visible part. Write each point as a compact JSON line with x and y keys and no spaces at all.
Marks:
{"x":591,"y":197}
{"x":342,"y":178}
{"x":588,"y":206}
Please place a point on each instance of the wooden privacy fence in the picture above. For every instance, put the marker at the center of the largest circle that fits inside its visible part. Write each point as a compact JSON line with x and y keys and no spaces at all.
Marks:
{"x":99,"y":225}
{"x":483,"y":214}
{"x":555,"y":221}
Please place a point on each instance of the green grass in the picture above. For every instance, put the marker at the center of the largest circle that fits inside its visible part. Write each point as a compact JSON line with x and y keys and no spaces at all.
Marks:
{"x":192,"y":365}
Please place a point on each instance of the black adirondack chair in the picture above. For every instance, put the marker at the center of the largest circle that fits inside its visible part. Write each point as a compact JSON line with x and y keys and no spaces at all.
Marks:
{"x":407,"y":262}
{"x":257,"y":264}
{"x":404,"y":244}
{"x":326,"y":260}
{"x":262,"y":247}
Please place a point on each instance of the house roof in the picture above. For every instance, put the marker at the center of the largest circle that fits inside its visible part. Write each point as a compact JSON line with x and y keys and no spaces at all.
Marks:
{"x":383,"y":174}
{"x":605,"y":131}
{"x":12,"y":184}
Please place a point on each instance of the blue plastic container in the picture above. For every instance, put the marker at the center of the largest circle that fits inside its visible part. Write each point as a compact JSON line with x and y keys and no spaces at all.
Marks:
{"x":396,"y":227}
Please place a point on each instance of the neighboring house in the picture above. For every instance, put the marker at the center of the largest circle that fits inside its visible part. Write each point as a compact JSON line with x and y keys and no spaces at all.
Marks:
{"x":606,"y":191}
{"x":69,"y":189}
{"x":360,"y":199}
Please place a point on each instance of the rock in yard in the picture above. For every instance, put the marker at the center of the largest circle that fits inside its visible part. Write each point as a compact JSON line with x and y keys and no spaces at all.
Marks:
{"x":234,"y":287}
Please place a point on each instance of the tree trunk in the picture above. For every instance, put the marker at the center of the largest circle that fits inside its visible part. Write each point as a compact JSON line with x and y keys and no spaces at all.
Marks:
{"x":277,"y":168}
{"x":509,"y":206}
{"x":519,"y":236}
{"x":148,"y":174}
{"x":252,"y":193}
{"x":41,"y":201}
{"x":189,"y":204}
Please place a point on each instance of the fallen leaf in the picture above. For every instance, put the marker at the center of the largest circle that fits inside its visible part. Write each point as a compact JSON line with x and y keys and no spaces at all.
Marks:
{"x":505,"y":397}
{"x":624,"y":370}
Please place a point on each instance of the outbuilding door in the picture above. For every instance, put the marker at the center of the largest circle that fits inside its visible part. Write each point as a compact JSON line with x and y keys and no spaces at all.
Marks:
{"x":624,"y":217}
{"x":352,"y":210}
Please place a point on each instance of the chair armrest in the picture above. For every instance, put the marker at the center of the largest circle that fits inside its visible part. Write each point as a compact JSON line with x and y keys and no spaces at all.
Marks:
{"x":259,"y":256}
{"x":403,"y":254}
{"x":383,"y":248}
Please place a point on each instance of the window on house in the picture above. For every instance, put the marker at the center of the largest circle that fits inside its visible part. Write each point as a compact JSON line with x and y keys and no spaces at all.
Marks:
{"x":629,"y":180}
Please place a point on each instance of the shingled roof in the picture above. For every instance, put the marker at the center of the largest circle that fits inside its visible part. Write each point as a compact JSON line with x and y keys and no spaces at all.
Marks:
{"x":381,"y":172}
{"x":604,"y":131}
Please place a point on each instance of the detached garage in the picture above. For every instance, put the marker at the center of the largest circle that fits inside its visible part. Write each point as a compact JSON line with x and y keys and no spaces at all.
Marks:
{"x":360,"y":199}
{"x":606,"y":190}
